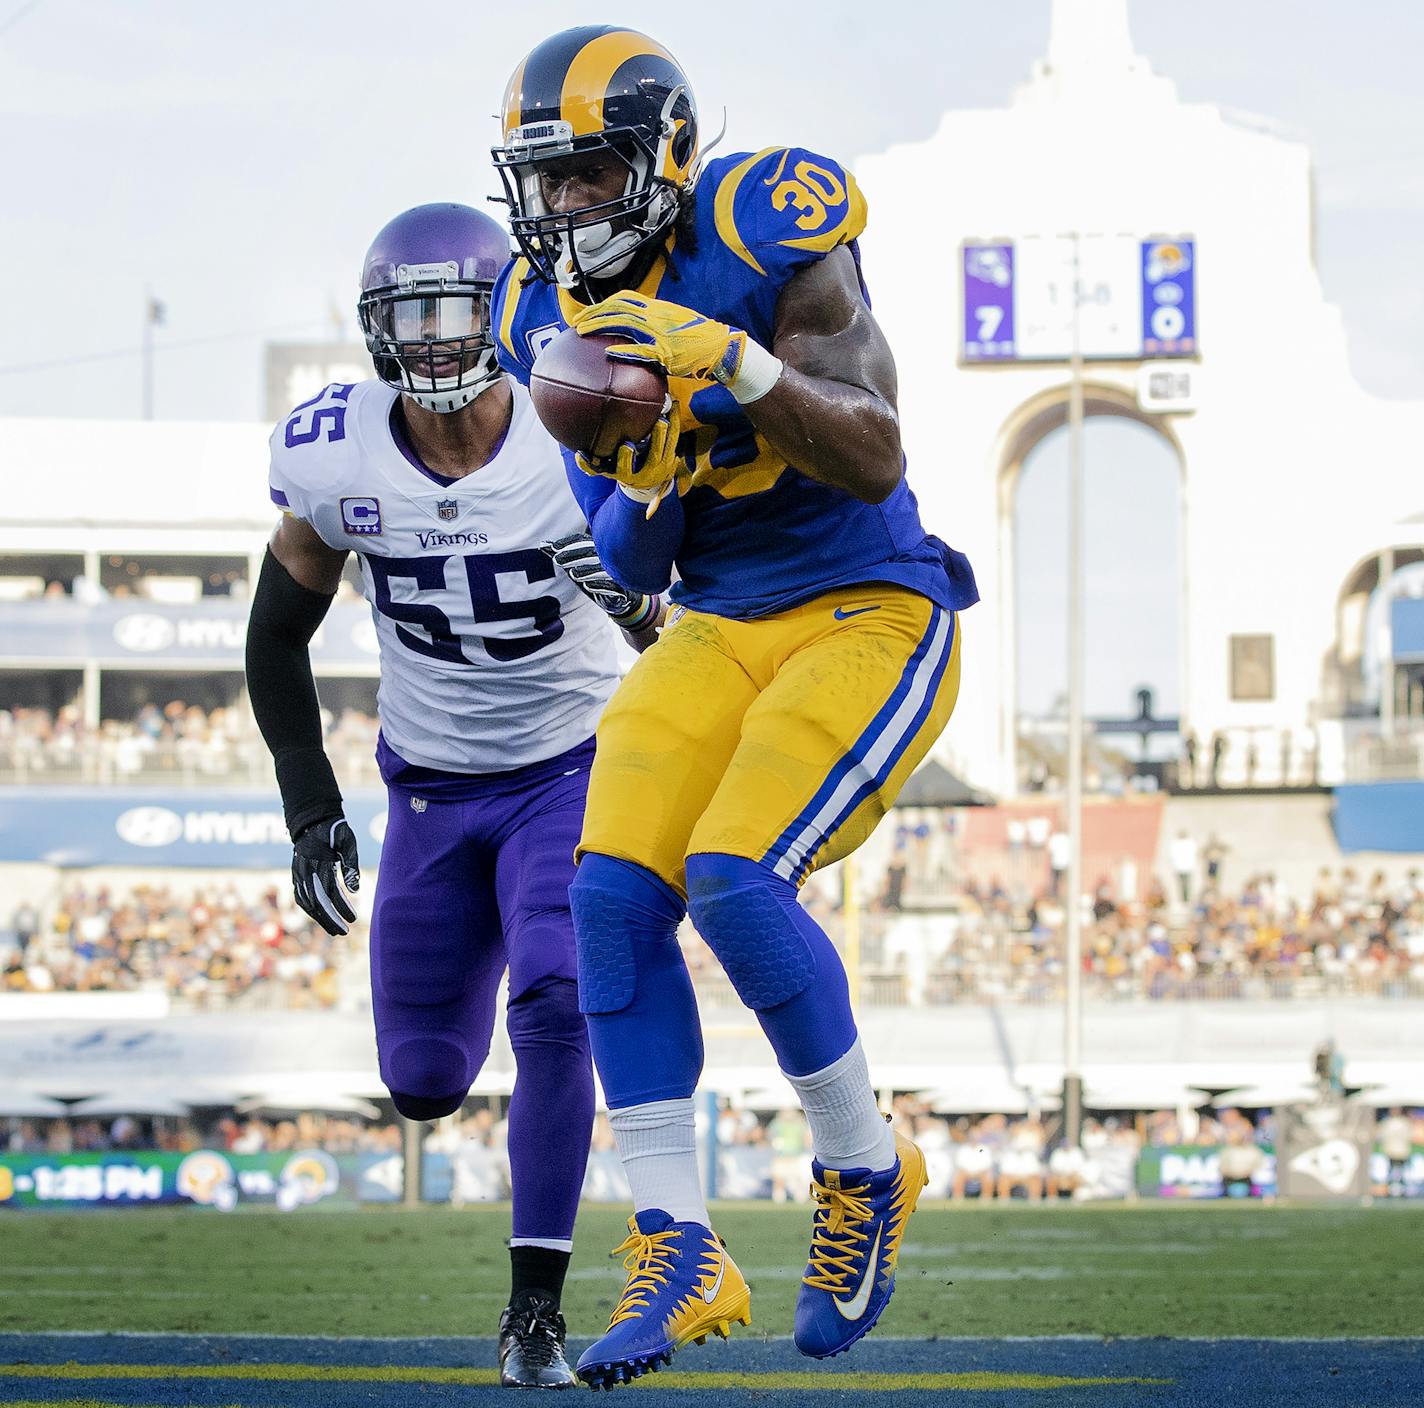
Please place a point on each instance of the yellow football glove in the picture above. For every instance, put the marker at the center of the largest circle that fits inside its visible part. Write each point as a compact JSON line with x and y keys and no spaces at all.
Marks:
{"x":677,"y":339}
{"x":647,"y":468}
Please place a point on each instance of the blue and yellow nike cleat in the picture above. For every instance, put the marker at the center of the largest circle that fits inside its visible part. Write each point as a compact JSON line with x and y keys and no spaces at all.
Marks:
{"x":682,"y":1286}
{"x":855,"y":1244}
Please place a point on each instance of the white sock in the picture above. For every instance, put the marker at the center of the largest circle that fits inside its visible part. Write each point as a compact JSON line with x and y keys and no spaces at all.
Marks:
{"x":658,"y":1145}
{"x":847,"y":1128}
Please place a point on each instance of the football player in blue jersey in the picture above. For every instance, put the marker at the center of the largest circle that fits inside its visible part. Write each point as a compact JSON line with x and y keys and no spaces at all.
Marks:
{"x":812,"y":662}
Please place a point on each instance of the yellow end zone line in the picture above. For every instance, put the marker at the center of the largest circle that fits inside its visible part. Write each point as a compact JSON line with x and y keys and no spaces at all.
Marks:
{"x":77,"y":1403}
{"x":434,"y":1374}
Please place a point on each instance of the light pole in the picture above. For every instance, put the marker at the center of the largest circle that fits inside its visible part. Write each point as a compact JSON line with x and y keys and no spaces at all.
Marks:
{"x":1073,"y":936}
{"x":154,"y":315}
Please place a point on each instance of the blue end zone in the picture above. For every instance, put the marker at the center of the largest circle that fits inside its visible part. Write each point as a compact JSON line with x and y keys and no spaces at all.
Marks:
{"x":283,"y":1372}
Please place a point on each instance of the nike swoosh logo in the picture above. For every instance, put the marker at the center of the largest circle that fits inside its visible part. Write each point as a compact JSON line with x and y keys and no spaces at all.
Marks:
{"x":843,"y":615}
{"x":710,"y":1296}
{"x":854,"y":1308}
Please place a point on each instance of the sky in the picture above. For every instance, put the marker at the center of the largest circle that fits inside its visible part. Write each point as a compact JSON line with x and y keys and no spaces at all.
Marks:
{"x":235,"y":161}
{"x":1131,"y":605}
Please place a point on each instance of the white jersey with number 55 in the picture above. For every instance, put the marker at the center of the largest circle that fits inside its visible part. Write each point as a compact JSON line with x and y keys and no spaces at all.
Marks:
{"x":491,"y":658}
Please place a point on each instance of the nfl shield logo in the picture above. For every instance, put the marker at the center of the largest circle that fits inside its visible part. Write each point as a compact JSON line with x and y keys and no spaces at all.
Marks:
{"x":446,"y":508}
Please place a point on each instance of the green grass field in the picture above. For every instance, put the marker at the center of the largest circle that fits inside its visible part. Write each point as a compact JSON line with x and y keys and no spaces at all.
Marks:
{"x":1100,"y":1270}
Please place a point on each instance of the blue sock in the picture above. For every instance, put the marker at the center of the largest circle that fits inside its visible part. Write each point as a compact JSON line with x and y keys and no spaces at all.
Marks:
{"x":634,"y":987}
{"x":778,"y":958}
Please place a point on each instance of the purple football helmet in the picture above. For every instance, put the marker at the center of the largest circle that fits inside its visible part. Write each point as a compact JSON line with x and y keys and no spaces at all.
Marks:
{"x":425,"y":303}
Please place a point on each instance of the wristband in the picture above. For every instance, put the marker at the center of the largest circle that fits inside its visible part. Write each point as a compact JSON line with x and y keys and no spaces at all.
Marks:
{"x":758,"y":371}
{"x":642,"y":616}
{"x":640,"y":496}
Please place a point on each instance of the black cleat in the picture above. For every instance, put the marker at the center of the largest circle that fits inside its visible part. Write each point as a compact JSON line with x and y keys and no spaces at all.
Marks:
{"x":531,"y":1344}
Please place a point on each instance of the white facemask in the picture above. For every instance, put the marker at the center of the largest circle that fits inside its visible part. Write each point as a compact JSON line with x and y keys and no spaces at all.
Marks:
{"x":599,"y":250}
{"x":451,"y":393}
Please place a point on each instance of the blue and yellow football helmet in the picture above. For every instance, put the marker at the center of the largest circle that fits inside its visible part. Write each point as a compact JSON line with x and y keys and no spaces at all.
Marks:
{"x":597,"y":88}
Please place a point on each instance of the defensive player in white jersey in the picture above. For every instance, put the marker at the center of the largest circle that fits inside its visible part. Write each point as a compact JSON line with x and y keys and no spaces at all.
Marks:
{"x":495,"y":665}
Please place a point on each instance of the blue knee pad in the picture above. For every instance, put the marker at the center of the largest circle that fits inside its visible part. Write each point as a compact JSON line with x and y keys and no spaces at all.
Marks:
{"x":428,"y":1076}
{"x":425,"y":1107}
{"x":777,"y":957}
{"x":634,"y":986}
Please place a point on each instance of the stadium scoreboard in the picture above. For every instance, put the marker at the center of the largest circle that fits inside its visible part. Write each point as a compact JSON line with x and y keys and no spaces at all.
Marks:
{"x":1137,"y":298}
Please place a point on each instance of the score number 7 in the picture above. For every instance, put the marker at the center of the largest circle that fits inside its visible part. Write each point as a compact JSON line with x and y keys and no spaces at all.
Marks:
{"x":989,"y":316}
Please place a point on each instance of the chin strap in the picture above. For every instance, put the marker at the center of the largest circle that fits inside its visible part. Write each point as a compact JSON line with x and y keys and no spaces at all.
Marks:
{"x":607,"y":252}
{"x":445,"y":399}
{"x":601,"y":259}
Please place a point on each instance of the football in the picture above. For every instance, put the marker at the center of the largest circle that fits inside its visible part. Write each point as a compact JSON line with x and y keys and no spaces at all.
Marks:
{"x":590,"y":403}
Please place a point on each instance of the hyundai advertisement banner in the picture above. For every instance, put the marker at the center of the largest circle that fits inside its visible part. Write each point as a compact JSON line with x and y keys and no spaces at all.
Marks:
{"x":229,"y":828}
{"x":132,"y":634}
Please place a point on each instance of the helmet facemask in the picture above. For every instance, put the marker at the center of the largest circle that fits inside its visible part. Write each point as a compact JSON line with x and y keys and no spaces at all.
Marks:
{"x":429,"y":335}
{"x":600,"y":241}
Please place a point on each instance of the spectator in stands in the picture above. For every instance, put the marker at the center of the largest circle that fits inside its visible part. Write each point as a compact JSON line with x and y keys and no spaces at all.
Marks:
{"x":1067,"y":1171}
{"x":480,"y":1173}
{"x":734,"y":1126}
{"x":932,"y":1134}
{"x":973,"y":1168}
{"x":1104,"y":907}
{"x":1241,"y":1159}
{"x":1059,"y":846}
{"x":1218,"y":756}
{"x":1213,"y":853}
{"x":790,"y":1142}
{"x":1183,"y":853}
{"x":1395,"y":1137}
{"x":1021,"y":1163}
{"x":24,"y":924}
{"x":893,"y":895}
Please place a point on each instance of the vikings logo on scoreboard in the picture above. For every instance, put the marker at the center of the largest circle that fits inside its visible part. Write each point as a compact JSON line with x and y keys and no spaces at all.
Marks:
{"x":1113,"y":297}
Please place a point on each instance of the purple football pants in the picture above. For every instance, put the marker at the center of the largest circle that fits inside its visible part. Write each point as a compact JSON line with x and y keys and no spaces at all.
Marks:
{"x":467,"y":886}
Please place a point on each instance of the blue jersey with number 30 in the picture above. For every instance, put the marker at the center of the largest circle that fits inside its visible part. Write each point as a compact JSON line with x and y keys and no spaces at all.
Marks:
{"x":759,"y":536}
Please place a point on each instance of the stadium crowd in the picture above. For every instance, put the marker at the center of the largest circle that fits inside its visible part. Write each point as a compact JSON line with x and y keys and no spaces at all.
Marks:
{"x":981,"y":942}
{"x":231,"y":1134}
{"x":177,"y":741}
{"x":210,"y":947}
{"x":761,"y":1154}
{"x":931,"y":942}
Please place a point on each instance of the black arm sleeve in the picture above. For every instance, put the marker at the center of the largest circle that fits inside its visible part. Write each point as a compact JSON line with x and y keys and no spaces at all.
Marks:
{"x":284,"y":618}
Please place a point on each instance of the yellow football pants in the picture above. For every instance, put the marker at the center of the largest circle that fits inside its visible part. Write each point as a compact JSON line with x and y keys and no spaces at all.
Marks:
{"x":782,"y":739}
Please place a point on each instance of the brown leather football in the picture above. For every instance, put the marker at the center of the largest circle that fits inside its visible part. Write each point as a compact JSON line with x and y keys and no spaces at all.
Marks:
{"x":589,"y":402}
